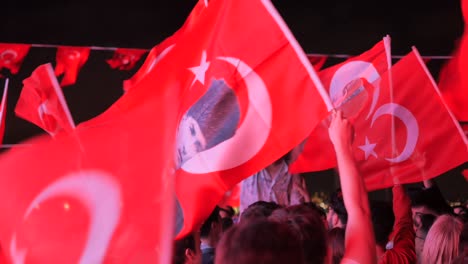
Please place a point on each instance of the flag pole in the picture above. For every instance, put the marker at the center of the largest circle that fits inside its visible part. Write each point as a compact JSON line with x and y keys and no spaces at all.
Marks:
{"x":388,"y":50}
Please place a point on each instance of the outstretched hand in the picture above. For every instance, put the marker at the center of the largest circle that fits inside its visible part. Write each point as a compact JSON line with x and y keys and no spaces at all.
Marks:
{"x":340,"y":130}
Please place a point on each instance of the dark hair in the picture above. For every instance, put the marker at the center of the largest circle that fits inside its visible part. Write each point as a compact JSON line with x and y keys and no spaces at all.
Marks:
{"x":336,"y":237}
{"x":308,"y":225}
{"x":337,"y":204}
{"x":259,"y":241}
{"x":180,"y":245}
{"x":382,"y":221}
{"x":259,"y":209}
{"x":212,"y":218}
{"x":431,"y":198}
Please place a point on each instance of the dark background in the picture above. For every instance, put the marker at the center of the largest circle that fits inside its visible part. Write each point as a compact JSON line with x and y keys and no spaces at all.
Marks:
{"x":323,"y":27}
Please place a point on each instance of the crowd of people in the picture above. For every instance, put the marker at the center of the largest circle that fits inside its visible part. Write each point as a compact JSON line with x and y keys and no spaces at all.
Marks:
{"x":278,"y":224}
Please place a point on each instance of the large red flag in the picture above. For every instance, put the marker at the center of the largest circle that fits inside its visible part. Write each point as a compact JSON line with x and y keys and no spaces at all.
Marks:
{"x":453,"y":77}
{"x":159,"y":51}
{"x":12,"y":56}
{"x":318,"y":153}
{"x":3,"y":111}
{"x":42,"y":103}
{"x":99,"y":195}
{"x":241,"y":110}
{"x":424,"y":129}
{"x":125,"y":59}
{"x":69,"y":62}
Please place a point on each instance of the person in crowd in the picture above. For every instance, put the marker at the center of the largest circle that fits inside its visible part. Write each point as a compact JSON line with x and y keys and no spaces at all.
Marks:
{"x":423,"y":224}
{"x":275,"y":184}
{"x":336,"y":238}
{"x":359,"y":236}
{"x":336,"y":215}
{"x":428,"y":200}
{"x":259,"y":209}
{"x":187,"y":250}
{"x":259,"y":241}
{"x":443,"y":240}
{"x":307,"y":223}
{"x":210,"y":233}
{"x":401,"y":248}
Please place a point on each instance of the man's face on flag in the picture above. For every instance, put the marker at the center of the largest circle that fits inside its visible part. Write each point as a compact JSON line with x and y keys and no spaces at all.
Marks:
{"x":191,"y":139}
{"x":208,"y":122}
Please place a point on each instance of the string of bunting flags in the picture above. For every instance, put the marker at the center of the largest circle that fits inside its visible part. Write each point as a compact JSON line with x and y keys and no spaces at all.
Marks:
{"x":70,"y":59}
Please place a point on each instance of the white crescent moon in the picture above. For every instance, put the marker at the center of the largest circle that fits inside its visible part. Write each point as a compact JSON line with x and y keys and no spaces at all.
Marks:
{"x":351,"y":71}
{"x":411,"y":124}
{"x":100,"y":194}
{"x":249,"y":137}
{"x":13,"y":54}
{"x":160,"y":57}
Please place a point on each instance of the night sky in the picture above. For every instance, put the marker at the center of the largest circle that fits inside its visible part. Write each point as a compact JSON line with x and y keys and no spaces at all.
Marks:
{"x":323,"y":27}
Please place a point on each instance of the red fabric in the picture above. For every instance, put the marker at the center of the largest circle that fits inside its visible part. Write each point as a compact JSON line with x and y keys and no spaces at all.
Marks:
{"x":238,"y":64}
{"x":429,"y":128}
{"x":317,"y":61}
{"x":42,"y":103}
{"x":465,"y":174}
{"x":231,"y":197}
{"x":403,"y":234}
{"x":12,"y":56}
{"x":453,"y":77}
{"x":109,"y":184}
{"x":125,"y":59}
{"x":159,"y":51}
{"x":318,"y":153}
{"x":69,"y":62}
{"x":3,"y":108}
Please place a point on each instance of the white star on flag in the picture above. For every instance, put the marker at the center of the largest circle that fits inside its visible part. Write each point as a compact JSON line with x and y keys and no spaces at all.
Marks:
{"x":368,"y":149}
{"x":200,"y":70}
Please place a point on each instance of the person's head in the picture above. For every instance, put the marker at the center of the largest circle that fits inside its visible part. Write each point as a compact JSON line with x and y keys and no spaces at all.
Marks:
{"x":461,"y":211}
{"x":308,"y":225}
{"x":259,"y":209}
{"x":336,"y":244}
{"x":382,"y":221}
{"x":442,"y":240}
{"x":423,"y":224}
{"x":427,"y":201}
{"x":208,"y":122}
{"x":187,"y":250}
{"x":337,"y":215}
{"x":211,"y":229}
{"x":259,"y":241}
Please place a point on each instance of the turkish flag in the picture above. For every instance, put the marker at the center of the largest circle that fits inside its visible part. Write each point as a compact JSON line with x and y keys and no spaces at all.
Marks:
{"x":423,"y":126}
{"x":451,"y":82}
{"x":69,"y":62}
{"x":125,"y":59}
{"x":342,"y":81}
{"x":3,"y":111}
{"x":12,"y":56}
{"x":317,"y":61}
{"x":99,"y":195}
{"x":159,"y":51}
{"x":42,"y":103}
{"x":241,"y":109}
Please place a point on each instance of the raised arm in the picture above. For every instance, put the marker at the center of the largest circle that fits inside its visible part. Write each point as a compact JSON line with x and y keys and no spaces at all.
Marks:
{"x":359,"y":238}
